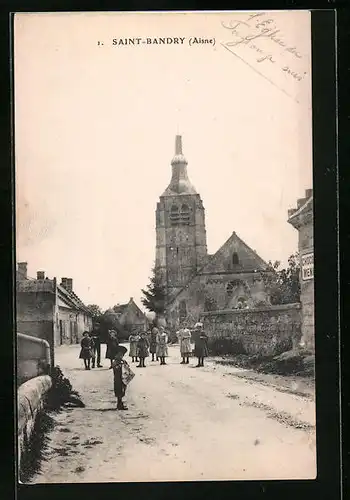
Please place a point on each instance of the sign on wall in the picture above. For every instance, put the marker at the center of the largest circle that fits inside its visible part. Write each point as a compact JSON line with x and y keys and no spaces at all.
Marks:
{"x":307,"y":266}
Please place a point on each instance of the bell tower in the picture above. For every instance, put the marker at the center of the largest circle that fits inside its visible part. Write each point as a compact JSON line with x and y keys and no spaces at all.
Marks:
{"x":181,"y":247}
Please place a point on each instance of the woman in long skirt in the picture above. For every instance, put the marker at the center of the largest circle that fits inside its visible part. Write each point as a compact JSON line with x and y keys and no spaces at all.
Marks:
{"x":86,"y":352}
{"x":153,"y":342}
{"x":112,"y":346}
{"x":184,"y":336}
{"x":133,"y":339}
{"x":162,"y":341}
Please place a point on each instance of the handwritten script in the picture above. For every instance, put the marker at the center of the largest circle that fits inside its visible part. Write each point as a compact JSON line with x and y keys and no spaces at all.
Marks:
{"x":259,"y":41}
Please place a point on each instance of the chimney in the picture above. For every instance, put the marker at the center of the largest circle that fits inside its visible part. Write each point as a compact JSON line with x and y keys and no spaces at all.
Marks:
{"x":40,"y":275}
{"x":308,"y":193}
{"x":69,"y":284}
{"x":64,"y":282}
{"x":22,"y":270}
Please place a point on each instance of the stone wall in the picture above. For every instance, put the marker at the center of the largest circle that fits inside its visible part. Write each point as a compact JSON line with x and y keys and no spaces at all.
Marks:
{"x":33,"y":358}
{"x":266,"y":330}
{"x":30,"y":402}
{"x":35,"y":315}
{"x":219,"y":291}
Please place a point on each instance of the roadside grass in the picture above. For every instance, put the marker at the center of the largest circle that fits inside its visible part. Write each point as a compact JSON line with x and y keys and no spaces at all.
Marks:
{"x":34,"y":454}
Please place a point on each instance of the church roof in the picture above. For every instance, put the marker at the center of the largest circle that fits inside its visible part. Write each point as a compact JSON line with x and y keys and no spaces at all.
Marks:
{"x":249,"y":261}
{"x":180,"y":183}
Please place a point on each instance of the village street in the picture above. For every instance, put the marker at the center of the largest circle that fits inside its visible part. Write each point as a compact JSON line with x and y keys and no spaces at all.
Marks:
{"x":183,"y":423}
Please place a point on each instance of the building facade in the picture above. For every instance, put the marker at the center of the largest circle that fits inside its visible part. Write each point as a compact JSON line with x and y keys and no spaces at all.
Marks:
{"x":130,"y":317}
{"x":195,"y":281}
{"x":302,"y":218}
{"x":48,"y":310}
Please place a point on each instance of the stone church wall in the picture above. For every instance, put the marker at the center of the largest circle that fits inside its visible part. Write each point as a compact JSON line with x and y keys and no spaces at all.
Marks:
{"x":208,"y":292}
{"x":265,"y":331}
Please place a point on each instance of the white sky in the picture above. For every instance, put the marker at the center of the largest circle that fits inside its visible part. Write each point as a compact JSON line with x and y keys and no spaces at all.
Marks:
{"x":95,"y":130}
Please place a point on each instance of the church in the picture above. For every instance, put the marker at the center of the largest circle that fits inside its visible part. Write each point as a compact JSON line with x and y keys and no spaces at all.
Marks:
{"x":195,"y":281}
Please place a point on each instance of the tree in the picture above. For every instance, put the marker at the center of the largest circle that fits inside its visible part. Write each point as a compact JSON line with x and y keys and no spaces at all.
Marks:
{"x":283,"y":284}
{"x":109,"y":321}
{"x":154,"y":298}
{"x":95,"y":310}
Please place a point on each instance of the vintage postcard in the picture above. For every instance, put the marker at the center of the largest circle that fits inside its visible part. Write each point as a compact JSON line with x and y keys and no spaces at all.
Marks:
{"x":164,"y":246}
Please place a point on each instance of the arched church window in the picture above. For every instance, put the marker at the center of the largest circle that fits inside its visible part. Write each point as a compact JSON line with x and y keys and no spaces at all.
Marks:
{"x":235,"y":259}
{"x":232,"y":285}
{"x":229,"y":288}
{"x":182,"y":310}
{"x":174,"y":214}
{"x":185,"y":213}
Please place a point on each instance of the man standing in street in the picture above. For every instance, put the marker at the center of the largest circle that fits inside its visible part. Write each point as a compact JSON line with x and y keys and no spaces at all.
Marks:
{"x":96,"y":335}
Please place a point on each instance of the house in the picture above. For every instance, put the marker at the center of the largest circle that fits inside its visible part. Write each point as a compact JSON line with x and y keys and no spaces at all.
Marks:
{"x":48,"y":310}
{"x":130,"y":316}
{"x":302,"y":219}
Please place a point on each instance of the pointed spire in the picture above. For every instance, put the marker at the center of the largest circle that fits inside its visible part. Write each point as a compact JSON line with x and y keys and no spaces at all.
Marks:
{"x":180,"y":183}
{"x":179,"y":157}
{"x":178,"y":145}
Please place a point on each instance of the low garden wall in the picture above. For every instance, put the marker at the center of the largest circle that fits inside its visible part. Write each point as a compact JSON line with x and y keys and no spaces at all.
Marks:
{"x":30,"y":402}
{"x":33,"y":357}
{"x":265,"y":331}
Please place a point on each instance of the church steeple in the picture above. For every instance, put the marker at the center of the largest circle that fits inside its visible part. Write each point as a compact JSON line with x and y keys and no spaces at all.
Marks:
{"x":180,"y":183}
{"x":181,"y":246}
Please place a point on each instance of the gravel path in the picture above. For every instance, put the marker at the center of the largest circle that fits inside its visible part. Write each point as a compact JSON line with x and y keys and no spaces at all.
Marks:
{"x":183,"y":423}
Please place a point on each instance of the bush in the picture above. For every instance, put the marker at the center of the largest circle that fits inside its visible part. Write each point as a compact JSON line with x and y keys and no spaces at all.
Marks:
{"x":61,"y":391}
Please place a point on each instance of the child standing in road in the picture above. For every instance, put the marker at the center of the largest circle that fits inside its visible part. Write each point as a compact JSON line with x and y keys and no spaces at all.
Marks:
{"x":162,"y":342}
{"x":142,"y":349}
{"x":201,"y":344}
{"x":86,"y":352}
{"x":122,"y":375}
{"x":133,"y":339}
{"x":184,"y":336}
{"x":153,"y":342}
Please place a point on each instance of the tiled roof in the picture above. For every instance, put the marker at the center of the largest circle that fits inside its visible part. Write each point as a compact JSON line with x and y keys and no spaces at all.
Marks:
{"x":29,"y":285}
{"x":72,"y":297}
{"x":47,"y":285}
{"x":120,"y":308}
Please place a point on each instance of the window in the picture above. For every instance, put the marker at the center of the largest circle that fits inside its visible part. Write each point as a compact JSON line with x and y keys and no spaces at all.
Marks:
{"x":231,"y":286}
{"x":185,"y":214}
{"x":235,"y":259}
{"x":174,"y":214}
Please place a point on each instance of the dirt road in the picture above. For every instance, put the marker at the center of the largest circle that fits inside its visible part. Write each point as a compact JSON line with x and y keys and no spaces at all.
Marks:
{"x":183,"y":423}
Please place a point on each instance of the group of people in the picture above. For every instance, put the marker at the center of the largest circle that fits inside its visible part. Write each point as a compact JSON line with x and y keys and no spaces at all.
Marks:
{"x":143,"y":344}
{"x":90,"y":351}
{"x":154,"y":342}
